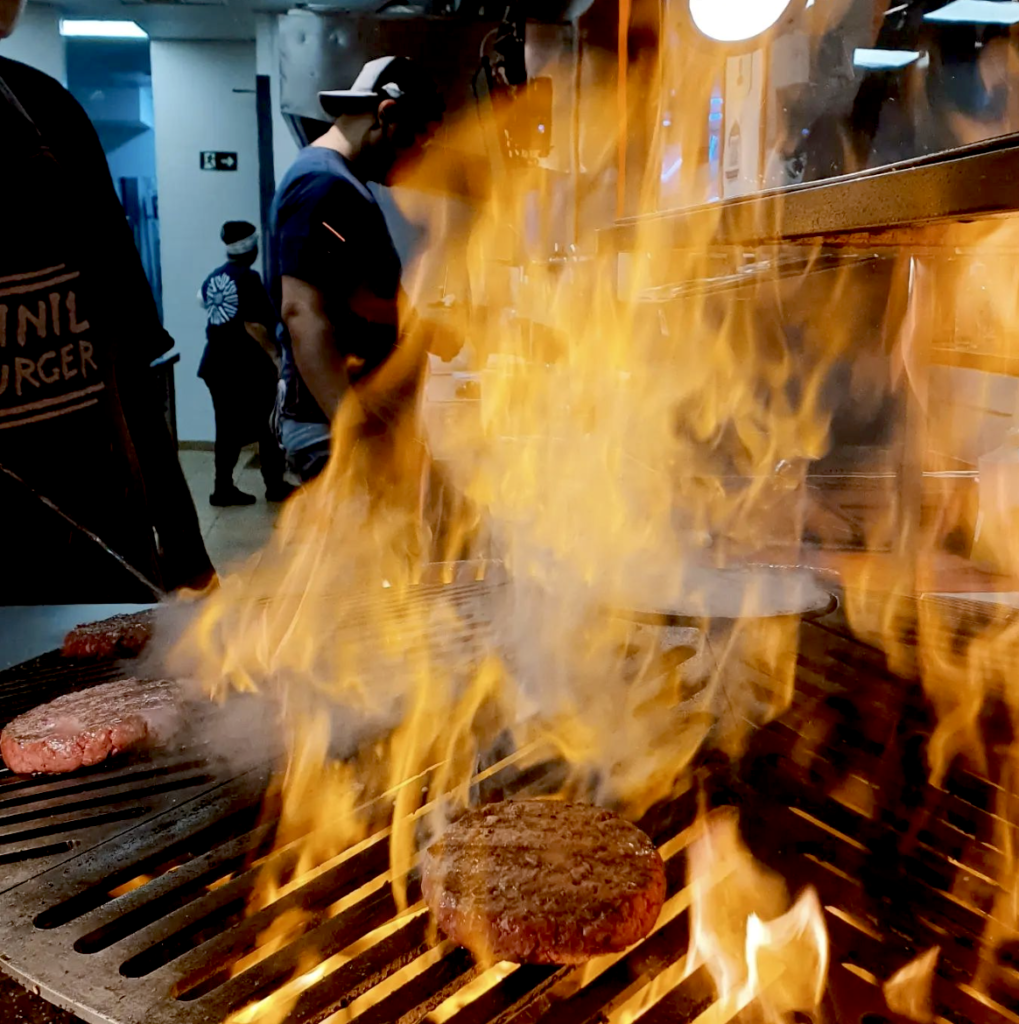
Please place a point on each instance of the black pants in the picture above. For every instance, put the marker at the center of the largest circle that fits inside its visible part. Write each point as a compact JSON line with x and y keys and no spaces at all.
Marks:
{"x":229,"y":441}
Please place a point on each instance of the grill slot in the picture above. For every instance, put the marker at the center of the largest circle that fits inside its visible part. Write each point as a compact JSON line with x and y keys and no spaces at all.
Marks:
{"x":412,"y":1002}
{"x":73,"y":825}
{"x":171,"y":889}
{"x":161,"y":865}
{"x":313,"y":898}
{"x":56,"y":808}
{"x":60,"y":789}
{"x":38,"y":853}
{"x":60,"y":808}
{"x":626,"y":976}
{"x":351,"y":981}
{"x":328,"y":939}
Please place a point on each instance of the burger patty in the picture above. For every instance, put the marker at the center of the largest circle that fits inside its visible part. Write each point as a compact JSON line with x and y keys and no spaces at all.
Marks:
{"x":86,"y":727}
{"x":543,"y":882}
{"x":121,"y":636}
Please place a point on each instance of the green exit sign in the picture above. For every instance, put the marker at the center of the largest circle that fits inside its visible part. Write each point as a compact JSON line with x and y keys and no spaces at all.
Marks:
{"x":215,"y":161}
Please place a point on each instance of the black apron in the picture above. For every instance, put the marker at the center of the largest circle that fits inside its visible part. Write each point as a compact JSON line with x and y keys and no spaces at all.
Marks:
{"x":62,"y":428}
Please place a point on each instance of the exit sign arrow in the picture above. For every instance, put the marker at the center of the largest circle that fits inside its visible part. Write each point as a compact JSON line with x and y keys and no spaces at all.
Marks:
{"x":212,"y":160}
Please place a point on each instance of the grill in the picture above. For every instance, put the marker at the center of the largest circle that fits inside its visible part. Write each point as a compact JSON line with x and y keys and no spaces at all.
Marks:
{"x":125,"y":888}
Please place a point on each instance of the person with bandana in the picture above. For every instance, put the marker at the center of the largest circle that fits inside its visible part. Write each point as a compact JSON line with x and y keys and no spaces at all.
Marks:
{"x":94,"y":506}
{"x":240,"y":366}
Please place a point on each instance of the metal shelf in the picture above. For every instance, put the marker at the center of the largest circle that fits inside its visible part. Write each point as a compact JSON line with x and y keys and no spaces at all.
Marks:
{"x":964,"y":184}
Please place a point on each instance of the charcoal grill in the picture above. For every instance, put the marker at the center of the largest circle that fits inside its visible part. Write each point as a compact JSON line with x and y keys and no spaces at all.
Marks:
{"x":125,"y":888}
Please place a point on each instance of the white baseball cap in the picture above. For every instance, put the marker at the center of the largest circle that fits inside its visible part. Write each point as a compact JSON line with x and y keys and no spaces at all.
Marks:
{"x":395,"y":78}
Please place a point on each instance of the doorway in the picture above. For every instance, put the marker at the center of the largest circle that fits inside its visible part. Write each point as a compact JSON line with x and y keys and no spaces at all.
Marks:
{"x":112,"y":80}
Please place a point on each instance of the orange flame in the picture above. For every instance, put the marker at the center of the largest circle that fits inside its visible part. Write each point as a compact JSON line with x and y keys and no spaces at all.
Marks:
{"x":754,"y":945}
{"x":633,"y":441}
{"x":792,"y":949}
{"x":908,"y":990}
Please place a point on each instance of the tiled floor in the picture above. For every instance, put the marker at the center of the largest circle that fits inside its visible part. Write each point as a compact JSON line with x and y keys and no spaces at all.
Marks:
{"x":231,"y":534}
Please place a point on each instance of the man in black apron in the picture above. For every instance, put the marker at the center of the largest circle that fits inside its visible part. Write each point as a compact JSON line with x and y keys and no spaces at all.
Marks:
{"x":240,"y":366}
{"x":81,"y":424}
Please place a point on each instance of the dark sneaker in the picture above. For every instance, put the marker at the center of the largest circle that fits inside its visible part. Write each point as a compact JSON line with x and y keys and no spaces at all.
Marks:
{"x":279,"y":492}
{"x":222,"y":497}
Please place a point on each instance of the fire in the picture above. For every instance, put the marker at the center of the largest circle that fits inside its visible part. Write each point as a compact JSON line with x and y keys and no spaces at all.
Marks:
{"x":743,"y":929}
{"x":131,"y":885}
{"x":631,"y":445}
{"x":962,"y":515}
{"x":908,"y":990}
{"x":792,"y":949}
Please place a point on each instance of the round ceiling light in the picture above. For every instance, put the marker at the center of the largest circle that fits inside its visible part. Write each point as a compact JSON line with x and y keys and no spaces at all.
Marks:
{"x":732,"y":21}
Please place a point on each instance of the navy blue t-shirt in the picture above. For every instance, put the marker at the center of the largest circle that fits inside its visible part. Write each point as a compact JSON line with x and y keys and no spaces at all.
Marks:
{"x":328,"y":231}
{"x":232,"y":296}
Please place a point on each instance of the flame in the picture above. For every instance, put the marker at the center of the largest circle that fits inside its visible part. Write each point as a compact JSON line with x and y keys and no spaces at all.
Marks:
{"x":635,"y":435}
{"x":908,"y":990}
{"x":634,"y":440}
{"x":973,"y":328}
{"x":129,"y":886}
{"x":742,"y":928}
{"x":963,"y":518}
{"x":474,"y":989}
{"x":728,"y":887}
{"x":794,"y":950}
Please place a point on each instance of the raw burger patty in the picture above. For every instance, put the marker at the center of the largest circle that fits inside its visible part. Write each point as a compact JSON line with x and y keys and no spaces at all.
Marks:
{"x":85,"y":728}
{"x":122,"y":636}
{"x":543,"y":882}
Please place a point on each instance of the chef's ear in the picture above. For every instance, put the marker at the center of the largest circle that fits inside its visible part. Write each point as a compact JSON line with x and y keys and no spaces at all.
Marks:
{"x":385,"y":113}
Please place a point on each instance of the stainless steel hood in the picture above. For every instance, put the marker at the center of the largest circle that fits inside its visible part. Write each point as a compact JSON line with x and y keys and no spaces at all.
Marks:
{"x":324,"y":49}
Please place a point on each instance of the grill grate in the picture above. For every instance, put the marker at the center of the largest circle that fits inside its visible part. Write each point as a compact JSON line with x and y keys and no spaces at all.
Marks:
{"x":144,"y":924}
{"x":45,"y":821}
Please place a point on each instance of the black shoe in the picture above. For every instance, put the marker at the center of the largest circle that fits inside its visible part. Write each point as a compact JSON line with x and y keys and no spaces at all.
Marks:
{"x":279,"y":492}
{"x":222,"y":497}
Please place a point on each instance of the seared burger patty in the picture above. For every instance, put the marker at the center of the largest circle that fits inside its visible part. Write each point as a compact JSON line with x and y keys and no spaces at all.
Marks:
{"x":121,"y":636}
{"x":543,"y":882}
{"x":85,"y":728}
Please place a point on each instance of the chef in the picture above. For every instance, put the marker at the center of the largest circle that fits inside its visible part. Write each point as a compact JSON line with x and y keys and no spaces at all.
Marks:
{"x":240,"y":366}
{"x":81,"y":422}
{"x":337,"y":274}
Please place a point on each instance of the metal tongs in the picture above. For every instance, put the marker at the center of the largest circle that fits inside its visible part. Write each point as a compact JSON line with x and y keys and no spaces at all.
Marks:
{"x":157,"y":592}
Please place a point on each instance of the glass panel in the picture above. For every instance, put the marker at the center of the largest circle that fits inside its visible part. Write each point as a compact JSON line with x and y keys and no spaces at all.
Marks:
{"x":843,"y":86}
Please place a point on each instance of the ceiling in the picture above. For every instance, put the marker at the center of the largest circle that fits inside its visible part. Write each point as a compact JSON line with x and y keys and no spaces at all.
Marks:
{"x":236,"y":19}
{"x":191,"y":19}
{"x":105,"y":62}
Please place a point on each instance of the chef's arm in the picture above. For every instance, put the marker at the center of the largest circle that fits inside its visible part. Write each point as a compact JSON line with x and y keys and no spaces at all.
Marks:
{"x":324,"y":368}
{"x":261,"y":335}
{"x":321,"y":364}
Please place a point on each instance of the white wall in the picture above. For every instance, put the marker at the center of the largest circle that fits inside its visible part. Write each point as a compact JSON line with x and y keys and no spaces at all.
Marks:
{"x":37,"y":41}
{"x":197,"y":109}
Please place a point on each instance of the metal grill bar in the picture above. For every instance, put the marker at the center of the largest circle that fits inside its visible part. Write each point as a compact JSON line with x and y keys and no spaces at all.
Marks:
{"x":43,"y":822}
